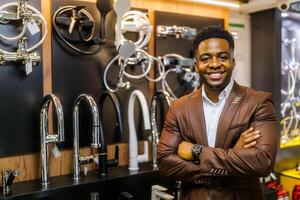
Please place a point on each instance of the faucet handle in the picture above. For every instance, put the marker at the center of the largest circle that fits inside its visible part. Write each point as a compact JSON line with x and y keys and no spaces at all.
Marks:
{"x":115,"y":161}
{"x":8,"y":176}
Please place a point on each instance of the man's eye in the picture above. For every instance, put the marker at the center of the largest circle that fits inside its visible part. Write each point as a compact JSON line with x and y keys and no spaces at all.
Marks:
{"x":223,"y":57}
{"x":204,"y":58}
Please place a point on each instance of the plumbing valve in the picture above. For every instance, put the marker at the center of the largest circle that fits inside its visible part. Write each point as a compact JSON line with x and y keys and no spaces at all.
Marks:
{"x":23,"y":12}
{"x":176,"y":31}
{"x":28,"y":59}
{"x":8,"y":176}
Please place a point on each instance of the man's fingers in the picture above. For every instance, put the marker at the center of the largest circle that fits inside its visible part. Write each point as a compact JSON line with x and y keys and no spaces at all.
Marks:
{"x":252,"y":138}
{"x":252,"y":144}
{"x":249,"y":130}
{"x":251,"y":133}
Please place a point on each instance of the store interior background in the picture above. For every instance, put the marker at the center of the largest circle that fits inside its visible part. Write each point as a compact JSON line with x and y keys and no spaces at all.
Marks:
{"x":258,"y":25}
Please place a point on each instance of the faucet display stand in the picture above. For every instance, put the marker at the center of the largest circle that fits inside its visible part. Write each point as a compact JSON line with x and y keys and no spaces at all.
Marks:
{"x":118,"y":180}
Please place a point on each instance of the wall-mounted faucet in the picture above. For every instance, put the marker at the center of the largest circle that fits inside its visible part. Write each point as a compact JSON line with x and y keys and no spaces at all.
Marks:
{"x":159,"y":95}
{"x":95,"y":144}
{"x":8,"y":177}
{"x":134,"y":158}
{"x":47,"y":138}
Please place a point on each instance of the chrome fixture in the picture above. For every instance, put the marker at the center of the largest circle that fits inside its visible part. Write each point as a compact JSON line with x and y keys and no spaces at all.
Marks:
{"x":94,"y":196}
{"x":95,"y":144}
{"x":298,"y":167}
{"x":31,"y":20}
{"x":134,"y":158}
{"x":179,"y":65}
{"x":28,"y":59}
{"x":8,"y":176}
{"x":158,"y":192}
{"x":154,"y":130}
{"x":46,"y":137}
{"x":176,"y":31}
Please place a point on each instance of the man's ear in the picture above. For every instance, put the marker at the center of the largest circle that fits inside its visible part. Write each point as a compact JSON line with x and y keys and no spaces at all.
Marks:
{"x":233,"y":62}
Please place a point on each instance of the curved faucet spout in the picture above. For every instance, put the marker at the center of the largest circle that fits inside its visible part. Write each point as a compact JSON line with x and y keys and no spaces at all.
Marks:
{"x":95,"y":132}
{"x":154,"y":130}
{"x":103,"y":162}
{"x":134,"y":158}
{"x":47,"y":138}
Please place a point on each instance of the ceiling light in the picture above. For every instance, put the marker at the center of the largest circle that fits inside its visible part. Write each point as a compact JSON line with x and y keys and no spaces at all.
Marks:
{"x":228,"y":4}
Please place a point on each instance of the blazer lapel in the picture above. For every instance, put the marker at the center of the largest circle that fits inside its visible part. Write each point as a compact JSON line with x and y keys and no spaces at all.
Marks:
{"x":231,"y":106}
{"x":197,"y":118}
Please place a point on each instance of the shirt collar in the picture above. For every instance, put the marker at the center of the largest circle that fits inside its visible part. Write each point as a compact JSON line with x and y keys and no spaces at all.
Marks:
{"x":224,"y":94}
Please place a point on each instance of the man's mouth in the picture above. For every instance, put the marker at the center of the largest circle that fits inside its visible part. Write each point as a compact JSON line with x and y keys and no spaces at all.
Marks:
{"x":215,"y":75}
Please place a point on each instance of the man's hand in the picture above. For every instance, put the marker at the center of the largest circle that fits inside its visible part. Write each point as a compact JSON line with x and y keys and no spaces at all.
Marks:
{"x":185,"y":150}
{"x":247,"y":139}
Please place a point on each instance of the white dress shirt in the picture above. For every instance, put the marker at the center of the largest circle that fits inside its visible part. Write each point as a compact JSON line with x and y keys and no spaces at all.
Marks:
{"x":212,"y":112}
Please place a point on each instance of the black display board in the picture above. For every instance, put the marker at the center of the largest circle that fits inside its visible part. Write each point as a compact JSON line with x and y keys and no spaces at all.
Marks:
{"x":75,"y":74}
{"x":20,"y":95}
{"x":181,"y":46}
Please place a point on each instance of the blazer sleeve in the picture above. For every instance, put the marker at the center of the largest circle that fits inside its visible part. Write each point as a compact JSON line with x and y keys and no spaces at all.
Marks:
{"x":257,"y":161}
{"x":169,"y":164}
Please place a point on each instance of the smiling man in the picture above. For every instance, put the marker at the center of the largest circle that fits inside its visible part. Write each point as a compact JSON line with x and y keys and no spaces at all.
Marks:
{"x":220,"y":139}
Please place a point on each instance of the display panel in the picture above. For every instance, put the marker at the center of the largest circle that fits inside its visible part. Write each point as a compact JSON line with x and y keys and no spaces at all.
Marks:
{"x":290,"y":80}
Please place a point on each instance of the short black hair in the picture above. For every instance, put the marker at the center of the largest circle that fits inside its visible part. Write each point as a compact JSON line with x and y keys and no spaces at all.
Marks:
{"x":212,"y":32}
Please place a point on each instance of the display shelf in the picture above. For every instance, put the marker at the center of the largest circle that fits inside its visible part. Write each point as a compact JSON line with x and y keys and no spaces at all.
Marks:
{"x":118,"y":180}
{"x":289,"y":178}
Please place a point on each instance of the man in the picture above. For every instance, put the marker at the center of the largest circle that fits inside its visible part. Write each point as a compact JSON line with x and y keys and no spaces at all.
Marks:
{"x":220,"y":139}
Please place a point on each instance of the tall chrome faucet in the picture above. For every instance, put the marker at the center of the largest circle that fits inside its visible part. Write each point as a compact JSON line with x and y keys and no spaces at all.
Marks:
{"x":159,"y":95}
{"x":77,"y":158}
{"x":47,"y":138}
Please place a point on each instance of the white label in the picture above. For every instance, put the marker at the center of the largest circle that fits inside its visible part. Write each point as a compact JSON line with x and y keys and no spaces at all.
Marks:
{"x":85,"y":170}
{"x":96,"y":159}
{"x":33,"y":27}
{"x":28,"y":67}
{"x":56,"y":152}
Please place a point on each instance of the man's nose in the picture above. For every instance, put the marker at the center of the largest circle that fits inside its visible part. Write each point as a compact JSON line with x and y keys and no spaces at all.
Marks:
{"x":214,"y":63}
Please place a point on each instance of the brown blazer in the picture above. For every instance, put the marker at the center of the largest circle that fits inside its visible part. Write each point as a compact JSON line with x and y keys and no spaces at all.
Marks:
{"x":223,"y":173}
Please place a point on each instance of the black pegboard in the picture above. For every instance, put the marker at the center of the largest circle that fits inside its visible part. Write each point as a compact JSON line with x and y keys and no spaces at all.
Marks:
{"x":20,"y":96}
{"x":74,"y":74}
{"x":181,"y":46}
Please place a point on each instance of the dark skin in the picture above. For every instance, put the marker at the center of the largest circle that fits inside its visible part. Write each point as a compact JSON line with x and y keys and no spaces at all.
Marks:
{"x":215,"y":64}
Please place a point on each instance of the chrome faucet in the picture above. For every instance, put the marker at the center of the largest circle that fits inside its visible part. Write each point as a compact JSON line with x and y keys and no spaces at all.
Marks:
{"x":158,"y":192}
{"x":77,"y":158}
{"x":8,"y":176}
{"x":154,"y":129}
{"x":47,"y":138}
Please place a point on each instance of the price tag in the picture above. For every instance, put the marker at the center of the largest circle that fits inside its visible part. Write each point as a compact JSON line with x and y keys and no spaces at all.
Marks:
{"x":33,"y":27}
{"x":85,"y":170}
{"x":56,"y":152}
{"x":28,"y":67}
{"x":96,"y":159}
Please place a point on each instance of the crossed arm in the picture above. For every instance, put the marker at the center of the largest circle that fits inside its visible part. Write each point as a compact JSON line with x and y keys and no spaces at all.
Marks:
{"x":252,"y":155}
